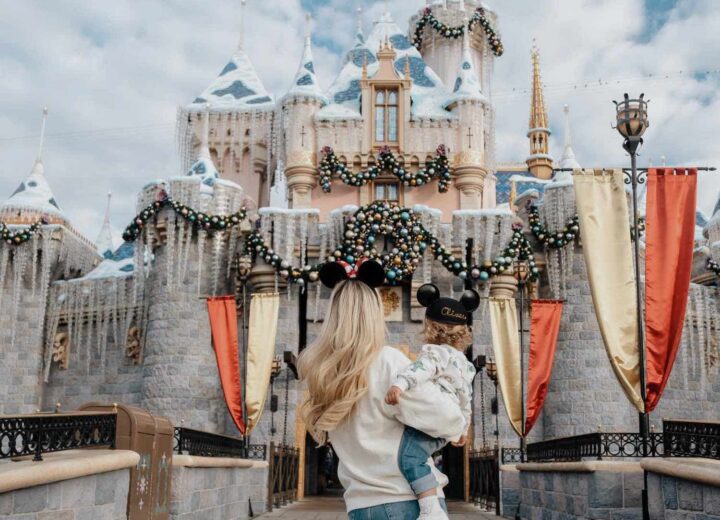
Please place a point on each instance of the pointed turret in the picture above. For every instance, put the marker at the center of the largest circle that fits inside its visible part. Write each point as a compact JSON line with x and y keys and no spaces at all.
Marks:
{"x":104,"y":240}
{"x":359,"y":34}
{"x":539,"y":162}
{"x":568,"y":159}
{"x":33,"y":199}
{"x":238,"y":84}
{"x":467,"y":84}
{"x":305,"y":83}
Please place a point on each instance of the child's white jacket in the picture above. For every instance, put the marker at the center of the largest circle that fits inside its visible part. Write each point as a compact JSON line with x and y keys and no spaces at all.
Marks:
{"x":446,"y":366}
{"x":367,"y":443}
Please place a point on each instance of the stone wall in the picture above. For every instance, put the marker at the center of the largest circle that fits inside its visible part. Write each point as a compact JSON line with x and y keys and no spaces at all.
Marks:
{"x":118,"y":380}
{"x":674,"y":498}
{"x":225,"y":493}
{"x":600,"y":490}
{"x":87,"y":498}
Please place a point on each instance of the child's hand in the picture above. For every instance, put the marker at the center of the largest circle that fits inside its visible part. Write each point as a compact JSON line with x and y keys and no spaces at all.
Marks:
{"x":460,"y":442}
{"x":393,"y":395}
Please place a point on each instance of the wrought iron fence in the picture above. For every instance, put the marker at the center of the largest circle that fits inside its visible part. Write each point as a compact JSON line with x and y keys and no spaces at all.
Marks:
{"x":284,"y":463}
{"x":205,"y":444}
{"x":692,"y":439}
{"x":511,"y":456}
{"x":45,"y":433}
{"x":596,"y":445}
{"x":485,"y":479}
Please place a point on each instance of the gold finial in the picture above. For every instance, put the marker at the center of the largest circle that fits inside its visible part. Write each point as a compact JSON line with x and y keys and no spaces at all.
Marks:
{"x":58,"y":405}
{"x":115,"y":407}
{"x":364,"y":69}
{"x":407,"y":67}
{"x":539,"y":162}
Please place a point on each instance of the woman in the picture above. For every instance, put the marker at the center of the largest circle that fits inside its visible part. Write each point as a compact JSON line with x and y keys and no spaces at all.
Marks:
{"x":348,"y":370}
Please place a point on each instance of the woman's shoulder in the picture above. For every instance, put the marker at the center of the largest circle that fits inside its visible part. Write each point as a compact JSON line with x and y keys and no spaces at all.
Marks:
{"x":392,"y":358}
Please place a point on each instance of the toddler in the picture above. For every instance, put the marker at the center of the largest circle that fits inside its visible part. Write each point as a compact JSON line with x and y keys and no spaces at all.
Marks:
{"x":443,"y":362}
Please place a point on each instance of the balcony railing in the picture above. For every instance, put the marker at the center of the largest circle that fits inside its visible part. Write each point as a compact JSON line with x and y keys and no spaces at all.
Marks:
{"x":692,"y":439}
{"x":484,"y":479}
{"x":205,"y":444}
{"x":45,"y":433}
{"x":596,"y":446}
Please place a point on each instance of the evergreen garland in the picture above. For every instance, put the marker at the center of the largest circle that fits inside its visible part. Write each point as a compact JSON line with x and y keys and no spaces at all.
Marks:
{"x":198,"y":219}
{"x":19,"y":237}
{"x":553,"y":239}
{"x":438,"y":168}
{"x":446,"y":31}
{"x":407,"y":242}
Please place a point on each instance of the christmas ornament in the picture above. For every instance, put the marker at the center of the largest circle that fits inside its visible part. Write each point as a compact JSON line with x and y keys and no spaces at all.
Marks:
{"x":553,"y":239}
{"x":19,"y":237}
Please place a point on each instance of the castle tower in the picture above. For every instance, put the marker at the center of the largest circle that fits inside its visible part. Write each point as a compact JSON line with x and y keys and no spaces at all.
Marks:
{"x":539,"y":161}
{"x":39,"y":245}
{"x":301,"y":103}
{"x":441,"y":52}
{"x":468,"y":102}
{"x":241,"y":119}
{"x":568,"y":159}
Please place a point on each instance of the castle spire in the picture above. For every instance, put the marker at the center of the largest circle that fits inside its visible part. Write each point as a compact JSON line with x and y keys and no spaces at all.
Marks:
{"x":241,"y":42}
{"x":305,"y":83}
{"x":467,"y":82}
{"x":359,"y":35}
{"x":104,"y":242}
{"x":568,"y":159}
{"x":539,"y":161}
{"x":42,"y":135}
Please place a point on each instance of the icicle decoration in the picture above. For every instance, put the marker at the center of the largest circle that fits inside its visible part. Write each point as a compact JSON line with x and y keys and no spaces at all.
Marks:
{"x":201,"y":236}
{"x":215,"y":264}
{"x":170,"y":257}
{"x":303,"y":238}
{"x":290,"y":237}
{"x":20,"y":261}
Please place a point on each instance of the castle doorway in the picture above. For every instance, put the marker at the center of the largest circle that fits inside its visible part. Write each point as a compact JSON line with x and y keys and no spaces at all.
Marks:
{"x":321,"y":465}
{"x":451,"y":461}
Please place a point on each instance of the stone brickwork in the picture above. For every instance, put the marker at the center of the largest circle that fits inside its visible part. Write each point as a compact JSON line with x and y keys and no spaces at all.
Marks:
{"x":180,"y":375}
{"x":673,"y":498}
{"x":21,"y":363}
{"x":103,"y":496}
{"x":217,"y":493}
{"x":599,"y":494}
{"x":118,"y":380}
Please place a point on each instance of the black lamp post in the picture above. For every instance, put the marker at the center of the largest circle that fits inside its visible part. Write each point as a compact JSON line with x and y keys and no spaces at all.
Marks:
{"x":522,"y":272}
{"x":632,"y":121}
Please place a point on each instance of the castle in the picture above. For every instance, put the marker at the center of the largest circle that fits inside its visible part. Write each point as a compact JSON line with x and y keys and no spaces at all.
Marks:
{"x":409,"y":119}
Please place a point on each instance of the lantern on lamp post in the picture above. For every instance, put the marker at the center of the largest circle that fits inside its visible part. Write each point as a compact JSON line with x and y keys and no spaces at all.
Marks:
{"x":522,"y":274}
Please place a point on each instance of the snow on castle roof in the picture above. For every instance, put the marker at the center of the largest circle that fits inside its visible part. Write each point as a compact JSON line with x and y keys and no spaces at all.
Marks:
{"x":238,"y":86}
{"x":305,"y":82}
{"x":34,"y":194}
{"x":467,"y":83}
{"x":428,"y":92}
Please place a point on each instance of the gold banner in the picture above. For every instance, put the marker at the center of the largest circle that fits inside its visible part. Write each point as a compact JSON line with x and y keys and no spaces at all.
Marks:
{"x":605,"y":232}
{"x":506,"y":345}
{"x":260,"y":353}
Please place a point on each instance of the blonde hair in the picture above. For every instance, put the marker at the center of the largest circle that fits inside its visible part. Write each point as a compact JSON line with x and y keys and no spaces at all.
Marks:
{"x":457,"y":336}
{"x":335,"y":366}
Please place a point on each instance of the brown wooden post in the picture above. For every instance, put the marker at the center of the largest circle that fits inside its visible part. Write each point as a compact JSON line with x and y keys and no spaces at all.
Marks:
{"x":271,"y":472}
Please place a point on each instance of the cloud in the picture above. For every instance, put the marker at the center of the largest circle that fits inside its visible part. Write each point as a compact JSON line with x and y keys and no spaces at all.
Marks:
{"x":126,"y":66}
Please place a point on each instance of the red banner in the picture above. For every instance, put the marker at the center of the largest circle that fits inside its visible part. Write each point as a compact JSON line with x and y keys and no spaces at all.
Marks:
{"x":669,"y":237}
{"x":544,"y":329}
{"x":223,"y":322}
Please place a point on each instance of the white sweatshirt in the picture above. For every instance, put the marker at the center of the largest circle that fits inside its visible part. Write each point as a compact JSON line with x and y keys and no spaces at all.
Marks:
{"x":445,"y":366}
{"x":367,"y":443}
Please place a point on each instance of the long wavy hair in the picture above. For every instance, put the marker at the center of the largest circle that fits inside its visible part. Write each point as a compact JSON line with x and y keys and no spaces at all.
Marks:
{"x":335,"y":366}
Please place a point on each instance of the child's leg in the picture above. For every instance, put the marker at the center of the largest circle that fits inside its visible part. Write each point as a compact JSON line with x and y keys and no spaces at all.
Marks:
{"x":416,"y":448}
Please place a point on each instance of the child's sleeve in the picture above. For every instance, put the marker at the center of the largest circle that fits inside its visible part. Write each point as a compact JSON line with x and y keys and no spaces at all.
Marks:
{"x":423,"y":369}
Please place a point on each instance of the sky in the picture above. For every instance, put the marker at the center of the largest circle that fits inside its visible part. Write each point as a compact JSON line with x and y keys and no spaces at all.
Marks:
{"x":113,"y":73}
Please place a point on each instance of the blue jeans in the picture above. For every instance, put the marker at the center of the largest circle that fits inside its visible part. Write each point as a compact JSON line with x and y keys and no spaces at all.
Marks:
{"x":416,"y":448}
{"x":396,"y":511}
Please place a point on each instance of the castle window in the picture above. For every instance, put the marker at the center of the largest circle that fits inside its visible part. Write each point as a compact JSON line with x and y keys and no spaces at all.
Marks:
{"x":386,"y":116}
{"x":389,"y":191}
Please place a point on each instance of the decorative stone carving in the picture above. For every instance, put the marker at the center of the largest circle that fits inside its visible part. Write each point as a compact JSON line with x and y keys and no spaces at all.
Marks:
{"x":301,"y":179}
{"x":468,"y":157}
{"x":132,"y":350}
{"x":264,"y":279}
{"x":301,"y":158}
{"x":61,"y":349}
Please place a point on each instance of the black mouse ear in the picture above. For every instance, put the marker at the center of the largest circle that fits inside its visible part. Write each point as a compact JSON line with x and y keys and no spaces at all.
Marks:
{"x":371,"y":273}
{"x":332,"y":273}
{"x":427,"y":294}
{"x":470,"y":299}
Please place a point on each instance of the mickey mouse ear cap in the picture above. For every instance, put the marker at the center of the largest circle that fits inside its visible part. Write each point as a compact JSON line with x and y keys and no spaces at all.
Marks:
{"x":447,"y":310}
{"x":367,"y":271}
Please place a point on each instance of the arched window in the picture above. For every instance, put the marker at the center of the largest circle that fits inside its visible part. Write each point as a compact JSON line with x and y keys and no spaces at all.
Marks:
{"x":386,"y":116}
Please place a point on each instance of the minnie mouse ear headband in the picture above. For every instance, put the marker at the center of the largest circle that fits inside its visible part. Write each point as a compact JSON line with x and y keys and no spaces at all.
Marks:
{"x":367,"y":271}
{"x":447,"y":310}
